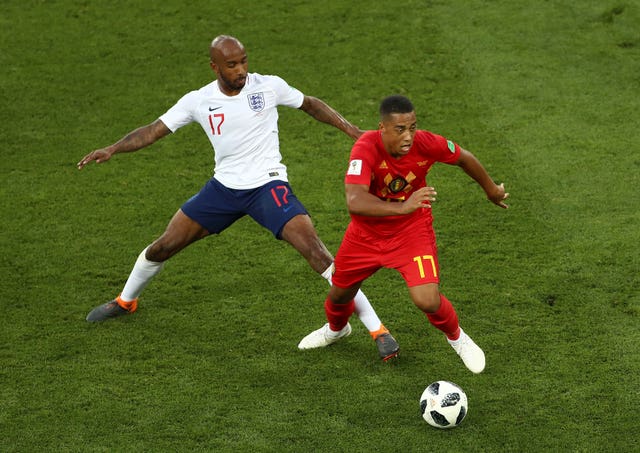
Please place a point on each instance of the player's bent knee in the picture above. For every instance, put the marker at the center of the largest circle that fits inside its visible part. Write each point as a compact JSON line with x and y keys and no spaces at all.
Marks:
{"x":299,"y":227}
{"x":428,"y":303}
{"x":426,"y":297}
{"x":342,"y":295}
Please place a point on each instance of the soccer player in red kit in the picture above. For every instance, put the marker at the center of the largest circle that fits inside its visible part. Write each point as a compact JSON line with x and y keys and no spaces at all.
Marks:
{"x":391,"y":224}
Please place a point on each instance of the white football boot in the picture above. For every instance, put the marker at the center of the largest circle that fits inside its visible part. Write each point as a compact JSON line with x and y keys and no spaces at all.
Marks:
{"x":324,"y":336}
{"x":469,"y":352}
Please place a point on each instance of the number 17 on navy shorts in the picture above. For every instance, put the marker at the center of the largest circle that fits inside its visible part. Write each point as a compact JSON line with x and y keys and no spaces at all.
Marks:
{"x":216,"y":206}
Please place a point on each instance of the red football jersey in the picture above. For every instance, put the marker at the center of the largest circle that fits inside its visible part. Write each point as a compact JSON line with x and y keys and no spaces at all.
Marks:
{"x":394,"y":179}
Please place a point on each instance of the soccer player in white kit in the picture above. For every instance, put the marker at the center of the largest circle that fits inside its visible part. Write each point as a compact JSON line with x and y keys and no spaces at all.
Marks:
{"x":238,"y":112}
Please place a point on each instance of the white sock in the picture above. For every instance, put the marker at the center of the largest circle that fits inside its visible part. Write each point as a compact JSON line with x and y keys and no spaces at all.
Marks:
{"x":328,"y":272}
{"x":363,"y":308}
{"x":366,"y":313}
{"x":142,"y":273}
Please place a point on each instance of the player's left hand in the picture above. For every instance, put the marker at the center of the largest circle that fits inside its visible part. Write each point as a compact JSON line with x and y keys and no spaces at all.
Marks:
{"x":498,"y":196}
{"x":99,"y":156}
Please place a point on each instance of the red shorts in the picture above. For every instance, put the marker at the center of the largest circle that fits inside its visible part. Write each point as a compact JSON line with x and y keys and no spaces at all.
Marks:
{"x":412,"y":252}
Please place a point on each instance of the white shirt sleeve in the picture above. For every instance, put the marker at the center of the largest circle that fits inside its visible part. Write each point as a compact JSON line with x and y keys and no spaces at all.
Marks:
{"x":182,"y":113}
{"x":287,"y":95}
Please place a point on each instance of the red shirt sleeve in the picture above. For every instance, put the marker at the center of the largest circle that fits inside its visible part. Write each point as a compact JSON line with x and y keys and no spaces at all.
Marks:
{"x":361,"y":160}
{"x":441,"y":149}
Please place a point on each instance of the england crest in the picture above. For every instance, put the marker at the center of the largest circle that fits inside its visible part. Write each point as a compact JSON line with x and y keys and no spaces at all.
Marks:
{"x":256,"y":101}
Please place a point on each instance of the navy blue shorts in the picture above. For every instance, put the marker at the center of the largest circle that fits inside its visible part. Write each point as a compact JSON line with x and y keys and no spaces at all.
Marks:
{"x":216,"y":206}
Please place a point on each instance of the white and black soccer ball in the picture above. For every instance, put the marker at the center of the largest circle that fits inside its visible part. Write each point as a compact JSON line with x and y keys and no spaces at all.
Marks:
{"x":443,"y":404}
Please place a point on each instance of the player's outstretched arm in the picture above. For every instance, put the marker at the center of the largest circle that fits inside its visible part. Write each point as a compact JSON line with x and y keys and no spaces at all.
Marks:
{"x":322,"y":112}
{"x":361,"y":202}
{"x":133,"y":141}
{"x":472,"y":166}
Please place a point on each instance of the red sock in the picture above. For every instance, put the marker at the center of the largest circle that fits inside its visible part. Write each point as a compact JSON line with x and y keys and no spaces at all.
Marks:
{"x":338,"y":314}
{"x":445,"y":319}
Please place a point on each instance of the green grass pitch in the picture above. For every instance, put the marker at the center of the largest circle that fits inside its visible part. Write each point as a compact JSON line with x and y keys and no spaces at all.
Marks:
{"x":545,"y":93}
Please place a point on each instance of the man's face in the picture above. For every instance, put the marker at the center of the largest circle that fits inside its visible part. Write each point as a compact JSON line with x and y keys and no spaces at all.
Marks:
{"x":398,"y":130}
{"x":230,"y":63}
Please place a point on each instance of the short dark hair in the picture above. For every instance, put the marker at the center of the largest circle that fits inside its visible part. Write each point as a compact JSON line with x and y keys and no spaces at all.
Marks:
{"x":395,"y":104}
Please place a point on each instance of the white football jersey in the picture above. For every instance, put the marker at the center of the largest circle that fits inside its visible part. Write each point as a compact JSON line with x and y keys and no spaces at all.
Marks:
{"x":243,"y":129}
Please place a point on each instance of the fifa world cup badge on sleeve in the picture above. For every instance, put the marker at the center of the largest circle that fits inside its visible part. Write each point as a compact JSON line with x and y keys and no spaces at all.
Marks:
{"x":355,"y":167}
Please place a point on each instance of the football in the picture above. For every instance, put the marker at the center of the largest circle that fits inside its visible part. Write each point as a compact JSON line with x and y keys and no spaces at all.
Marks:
{"x":443,"y":404}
